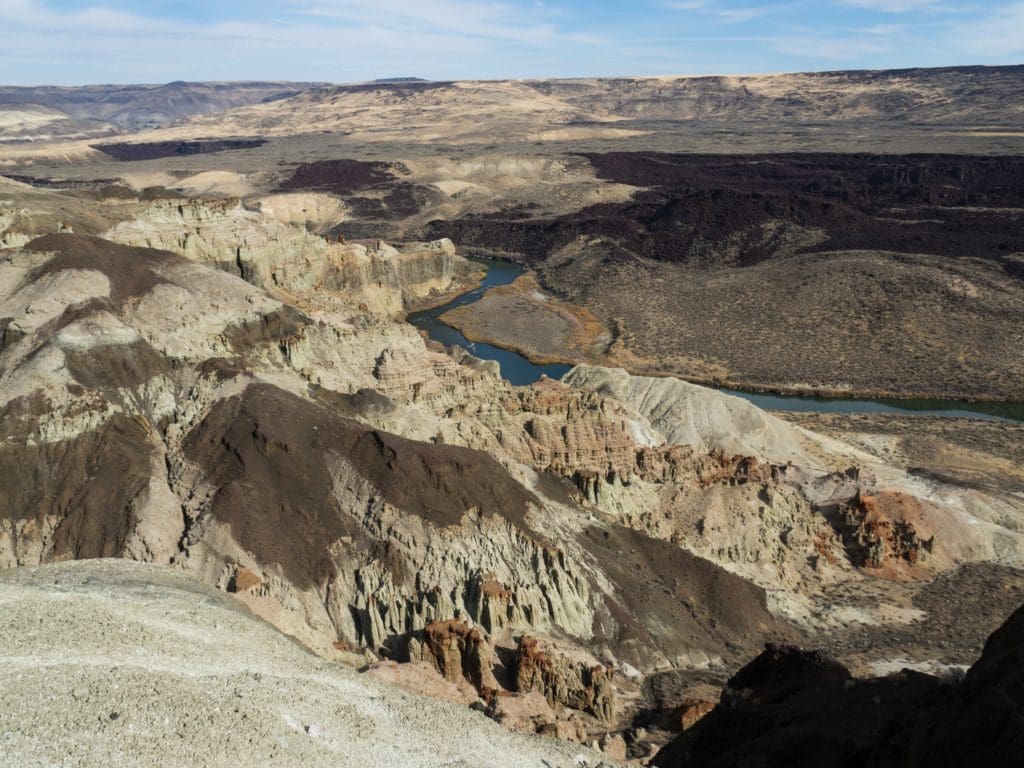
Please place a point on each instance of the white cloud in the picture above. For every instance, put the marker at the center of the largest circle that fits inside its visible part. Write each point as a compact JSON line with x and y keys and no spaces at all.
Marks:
{"x":351,"y":40}
{"x":340,"y":40}
{"x":892,"y":6}
{"x":737,"y":15}
{"x":516,"y":22}
{"x":726,"y":15}
{"x":998,"y":34}
{"x":885,"y":30}
{"x":832,"y":49}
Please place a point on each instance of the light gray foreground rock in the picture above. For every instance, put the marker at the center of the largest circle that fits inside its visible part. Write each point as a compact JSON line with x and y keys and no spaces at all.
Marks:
{"x":116,"y":663}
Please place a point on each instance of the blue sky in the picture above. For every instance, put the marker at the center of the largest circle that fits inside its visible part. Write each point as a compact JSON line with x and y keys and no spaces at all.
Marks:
{"x":120,"y":41}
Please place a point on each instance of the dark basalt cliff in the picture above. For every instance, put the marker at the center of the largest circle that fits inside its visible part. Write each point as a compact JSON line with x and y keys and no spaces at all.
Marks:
{"x":796,"y":708}
{"x":739,"y":210}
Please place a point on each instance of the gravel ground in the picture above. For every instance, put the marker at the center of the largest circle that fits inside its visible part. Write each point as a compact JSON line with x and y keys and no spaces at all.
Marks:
{"x":114,"y":663}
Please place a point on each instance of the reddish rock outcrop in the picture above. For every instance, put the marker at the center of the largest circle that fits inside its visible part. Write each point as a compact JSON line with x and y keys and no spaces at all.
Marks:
{"x":492,"y":603}
{"x":421,"y":678}
{"x":886,"y":533}
{"x":568,"y":431}
{"x":734,"y":470}
{"x":614,"y":745}
{"x":458,"y":651}
{"x":688,"y":714}
{"x":526,"y":713}
{"x":244,"y":580}
{"x":592,"y":440}
{"x":563,"y":681}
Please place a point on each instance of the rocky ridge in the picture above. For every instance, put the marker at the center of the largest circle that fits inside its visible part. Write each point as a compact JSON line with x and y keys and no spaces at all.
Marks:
{"x":477,"y":112}
{"x":40,"y":113}
{"x":286,"y":258}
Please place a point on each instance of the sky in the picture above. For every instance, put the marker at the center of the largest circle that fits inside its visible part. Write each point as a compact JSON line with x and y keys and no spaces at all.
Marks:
{"x":74,"y":42}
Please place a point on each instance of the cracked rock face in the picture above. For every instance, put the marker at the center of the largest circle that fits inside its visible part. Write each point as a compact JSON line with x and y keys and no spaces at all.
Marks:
{"x":580,"y":685}
{"x":458,"y":652}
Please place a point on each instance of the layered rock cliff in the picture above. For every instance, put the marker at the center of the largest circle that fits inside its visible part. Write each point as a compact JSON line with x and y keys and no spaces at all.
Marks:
{"x":281,"y":256}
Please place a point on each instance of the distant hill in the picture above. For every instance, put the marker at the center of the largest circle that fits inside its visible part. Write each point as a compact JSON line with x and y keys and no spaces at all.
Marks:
{"x":33,"y":113}
{"x":401,"y":80}
{"x":410,"y":109}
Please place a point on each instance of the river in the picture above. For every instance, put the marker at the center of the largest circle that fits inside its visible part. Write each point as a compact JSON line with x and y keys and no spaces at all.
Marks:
{"x":520,"y":371}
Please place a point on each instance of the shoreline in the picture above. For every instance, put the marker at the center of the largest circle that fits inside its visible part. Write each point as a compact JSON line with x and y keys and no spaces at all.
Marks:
{"x":474,"y":280}
{"x":806,"y":393}
{"x":459,"y":319}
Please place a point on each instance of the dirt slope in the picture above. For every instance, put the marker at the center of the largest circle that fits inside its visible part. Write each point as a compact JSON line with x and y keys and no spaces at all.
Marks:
{"x":109,"y":662}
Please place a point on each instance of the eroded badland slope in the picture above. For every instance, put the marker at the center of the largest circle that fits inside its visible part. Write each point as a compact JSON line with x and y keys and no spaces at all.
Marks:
{"x":204,"y":367}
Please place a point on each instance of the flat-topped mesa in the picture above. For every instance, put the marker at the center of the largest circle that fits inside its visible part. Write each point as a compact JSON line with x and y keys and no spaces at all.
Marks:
{"x":301,"y":266}
{"x":483,"y":112}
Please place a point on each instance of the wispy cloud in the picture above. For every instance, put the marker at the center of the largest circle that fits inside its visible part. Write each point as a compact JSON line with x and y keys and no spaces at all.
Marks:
{"x":885,"y":30}
{"x":737,"y":15}
{"x":835,"y":50}
{"x":75,"y":41}
{"x":998,"y":33}
{"x":525,"y":23}
{"x":340,"y":40}
{"x":719,"y":12}
{"x":892,"y":6}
